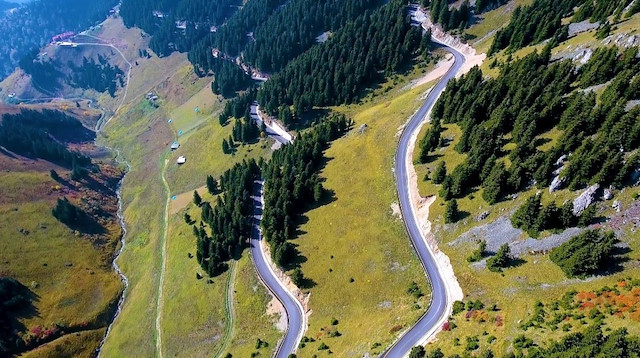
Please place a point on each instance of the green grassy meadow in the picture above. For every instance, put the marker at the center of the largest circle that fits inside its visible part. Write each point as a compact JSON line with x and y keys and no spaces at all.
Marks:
{"x":193,"y":316}
{"x":358,"y":253}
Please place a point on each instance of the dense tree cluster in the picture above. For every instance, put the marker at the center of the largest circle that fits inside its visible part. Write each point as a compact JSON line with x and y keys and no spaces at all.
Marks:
{"x":336,"y":71}
{"x":14,"y":297}
{"x":232,"y":37}
{"x":100,"y":76}
{"x":533,"y":217}
{"x":245,"y":130}
{"x":292,"y":182}
{"x":228,"y":78}
{"x":39,"y":134}
{"x":486,"y":5}
{"x":606,"y":62}
{"x":237,"y":107}
{"x":45,"y":74}
{"x":229,"y":221}
{"x":541,"y":20}
{"x":450,"y":18}
{"x":35,"y":23}
{"x":161,"y":19}
{"x":533,"y":24}
{"x":494,"y":112}
{"x":599,"y":10}
{"x":586,"y":253}
{"x":293,"y":30}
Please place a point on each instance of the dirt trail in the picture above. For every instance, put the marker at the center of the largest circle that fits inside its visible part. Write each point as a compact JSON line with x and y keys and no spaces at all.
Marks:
{"x":229,"y":311}
{"x":163,"y":255}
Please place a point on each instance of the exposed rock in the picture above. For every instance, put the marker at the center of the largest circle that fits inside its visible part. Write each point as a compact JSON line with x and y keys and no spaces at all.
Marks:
{"x":582,"y":26}
{"x":362,"y":128}
{"x":385,"y":304}
{"x":607,"y":195}
{"x":617,"y":205}
{"x":556,"y":184}
{"x":483,"y":215}
{"x":68,"y":264}
{"x":561,"y":160}
{"x":583,"y":56}
{"x":585,"y":199}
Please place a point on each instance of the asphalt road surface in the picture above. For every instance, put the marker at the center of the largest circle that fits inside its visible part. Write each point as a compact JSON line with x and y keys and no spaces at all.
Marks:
{"x":270,"y":132}
{"x":295,"y":313}
{"x":438,"y":305}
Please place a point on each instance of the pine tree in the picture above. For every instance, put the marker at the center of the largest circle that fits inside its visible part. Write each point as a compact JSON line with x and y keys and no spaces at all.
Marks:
{"x":451,"y":213}
{"x":440,"y":173}
{"x":500,"y":260}
{"x":212,"y":185}
{"x":196,"y":198}
{"x":225,"y":146}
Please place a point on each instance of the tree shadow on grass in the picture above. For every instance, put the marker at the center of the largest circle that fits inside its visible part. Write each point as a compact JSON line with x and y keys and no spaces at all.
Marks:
{"x":430,"y":158}
{"x":307,"y":284}
{"x":516,"y":262}
{"x":462,"y":215}
{"x":615,"y":264}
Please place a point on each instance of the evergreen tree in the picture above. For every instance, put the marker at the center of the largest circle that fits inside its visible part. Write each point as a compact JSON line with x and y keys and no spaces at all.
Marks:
{"x":451,"y":213}
{"x":494,"y":183}
{"x":212,"y":185}
{"x":225,"y":146}
{"x":440,"y":173}
{"x":500,"y":260}
{"x":196,"y":198}
{"x":431,"y":140}
{"x":479,"y":253}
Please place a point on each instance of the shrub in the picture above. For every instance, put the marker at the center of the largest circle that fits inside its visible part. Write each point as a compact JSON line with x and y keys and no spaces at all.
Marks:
{"x":458,"y":306}
{"x":417,"y":352}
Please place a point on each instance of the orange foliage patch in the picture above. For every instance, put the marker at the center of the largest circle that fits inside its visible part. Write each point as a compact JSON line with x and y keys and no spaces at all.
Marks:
{"x":622,"y":302}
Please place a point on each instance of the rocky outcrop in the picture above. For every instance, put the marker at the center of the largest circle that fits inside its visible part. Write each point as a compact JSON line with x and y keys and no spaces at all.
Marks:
{"x":585,"y":199}
{"x":617,"y":205}
{"x":556,"y":184}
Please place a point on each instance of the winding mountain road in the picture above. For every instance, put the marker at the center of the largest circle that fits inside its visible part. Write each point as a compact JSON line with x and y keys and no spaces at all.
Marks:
{"x":436,"y":314}
{"x":296,"y":319}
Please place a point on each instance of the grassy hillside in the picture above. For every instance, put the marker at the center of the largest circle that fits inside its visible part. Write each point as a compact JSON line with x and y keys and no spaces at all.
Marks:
{"x":143,"y":134}
{"x":534,"y":277}
{"x":67,"y":271}
{"x":356,"y":249}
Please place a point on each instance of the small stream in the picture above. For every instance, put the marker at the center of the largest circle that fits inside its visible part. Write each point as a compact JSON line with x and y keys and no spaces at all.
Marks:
{"x":114,"y":264}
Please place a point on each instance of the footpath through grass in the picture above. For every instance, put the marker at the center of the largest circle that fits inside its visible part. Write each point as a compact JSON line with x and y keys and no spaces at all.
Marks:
{"x":193,"y":318}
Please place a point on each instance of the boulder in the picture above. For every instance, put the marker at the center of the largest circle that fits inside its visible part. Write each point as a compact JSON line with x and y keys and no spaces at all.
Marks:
{"x":585,"y":199}
{"x":556,"y":184}
{"x":483,"y":215}
{"x":617,"y":205}
{"x":607,"y":195}
{"x":561,"y":160}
